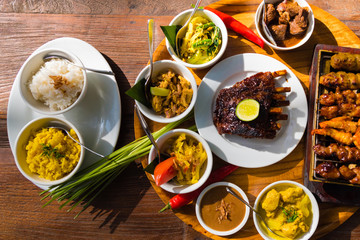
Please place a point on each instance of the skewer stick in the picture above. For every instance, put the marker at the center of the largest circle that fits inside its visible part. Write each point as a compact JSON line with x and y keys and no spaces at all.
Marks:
{"x":279,"y":97}
{"x":279,"y":73}
{"x":282,"y":103}
{"x":276,"y":110}
{"x":282,"y":89}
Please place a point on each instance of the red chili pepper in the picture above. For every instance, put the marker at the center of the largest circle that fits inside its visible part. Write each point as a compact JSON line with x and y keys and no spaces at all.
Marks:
{"x":182,"y":199}
{"x":238,"y":27}
{"x":165,"y":171}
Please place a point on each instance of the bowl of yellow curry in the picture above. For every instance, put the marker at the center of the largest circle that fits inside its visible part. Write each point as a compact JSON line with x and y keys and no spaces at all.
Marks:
{"x":289,"y":209}
{"x":173,"y":92}
{"x":46,"y":155}
{"x":204,"y":42}
{"x":192,"y":159}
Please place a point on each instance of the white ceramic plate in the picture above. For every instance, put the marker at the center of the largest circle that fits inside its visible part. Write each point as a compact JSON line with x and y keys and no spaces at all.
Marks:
{"x":242,"y":152}
{"x":98,"y":115}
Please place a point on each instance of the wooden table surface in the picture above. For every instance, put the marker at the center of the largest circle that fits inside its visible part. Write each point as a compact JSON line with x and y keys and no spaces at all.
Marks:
{"x":127,"y":209}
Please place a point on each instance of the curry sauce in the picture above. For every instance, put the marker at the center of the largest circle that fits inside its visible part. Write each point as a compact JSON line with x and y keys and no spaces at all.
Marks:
{"x":220,"y":210}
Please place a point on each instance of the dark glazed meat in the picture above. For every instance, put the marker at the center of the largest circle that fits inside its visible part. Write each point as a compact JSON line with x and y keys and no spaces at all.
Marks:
{"x":270,"y":13}
{"x":343,"y":153}
{"x":299,"y":25}
{"x":279,"y":31}
{"x":327,"y":170}
{"x":260,"y":87}
{"x":346,"y":173}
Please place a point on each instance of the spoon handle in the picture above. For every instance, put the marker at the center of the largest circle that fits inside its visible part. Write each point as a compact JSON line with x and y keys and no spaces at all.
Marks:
{"x":193,"y":12}
{"x":151,"y":43}
{"x":146,"y":129}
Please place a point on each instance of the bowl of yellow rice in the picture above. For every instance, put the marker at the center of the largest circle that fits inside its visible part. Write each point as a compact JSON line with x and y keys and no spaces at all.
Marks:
{"x":46,"y":155}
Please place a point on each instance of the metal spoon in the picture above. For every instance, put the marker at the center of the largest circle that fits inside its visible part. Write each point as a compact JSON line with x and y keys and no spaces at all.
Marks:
{"x":151,"y":45}
{"x":67,"y":132}
{"x":55,"y":56}
{"x":147,"y":131}
{"x":181,"y":33}
{"x":256,"y":212}
{"x":265,"y":27}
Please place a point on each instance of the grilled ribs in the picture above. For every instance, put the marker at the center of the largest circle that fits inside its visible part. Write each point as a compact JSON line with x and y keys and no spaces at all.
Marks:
{"x":260,"y":87}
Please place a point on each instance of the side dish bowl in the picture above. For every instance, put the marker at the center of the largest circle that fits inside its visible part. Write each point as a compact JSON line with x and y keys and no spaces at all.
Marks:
{"x":181,"y":18}
{"x":218,"y":197}
{"x":260,"y":31}
{"x":160,"y":67}
{"x":205,"y":171}
{"x":32,"y":65}
{"x":23,"y":139}
{"x":314,"y":209}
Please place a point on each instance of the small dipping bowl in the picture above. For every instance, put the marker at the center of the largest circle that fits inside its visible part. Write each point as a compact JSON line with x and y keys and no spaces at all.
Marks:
{"x":23,"y":139}
{"x":181,"y":19}
{"x":32,"y":66}
{"x":210,"y":199}
{"x":314,"y":208}
{"x":161,"y":67}
{"x":259,"y":27}
{"x":172,"y":186}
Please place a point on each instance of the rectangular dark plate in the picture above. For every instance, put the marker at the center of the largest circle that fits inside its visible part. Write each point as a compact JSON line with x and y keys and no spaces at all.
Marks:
{"x":333,"y":191}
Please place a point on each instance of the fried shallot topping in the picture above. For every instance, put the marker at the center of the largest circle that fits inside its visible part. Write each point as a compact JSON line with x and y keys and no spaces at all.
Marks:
{"x":59,"y":81}
{"x":224,"y":209}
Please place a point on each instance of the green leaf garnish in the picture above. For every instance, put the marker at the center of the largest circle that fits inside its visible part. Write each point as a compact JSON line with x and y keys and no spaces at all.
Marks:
{"x":290,"y":214}
{"x":170,"y":34}
{"x":49,"y":151}
{"x":137,"y":92}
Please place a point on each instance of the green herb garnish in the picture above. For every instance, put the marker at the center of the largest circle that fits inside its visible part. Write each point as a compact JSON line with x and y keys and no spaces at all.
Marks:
{"x":49,"y":151}
{"x":290,"y":214}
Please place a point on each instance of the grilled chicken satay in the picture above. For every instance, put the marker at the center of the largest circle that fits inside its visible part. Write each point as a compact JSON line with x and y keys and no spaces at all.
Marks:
{"x":346,"y":173}
{"x":346,"y":96}
{"x":339,"y":136}
{"x":346,"y":61}
{"x":346,"y":109}
{"x":356,"y":179}
{"x":327,"y":170}
{"x":342,"y":153}
{"x":341,"y":80}
{"x":344,"y":123}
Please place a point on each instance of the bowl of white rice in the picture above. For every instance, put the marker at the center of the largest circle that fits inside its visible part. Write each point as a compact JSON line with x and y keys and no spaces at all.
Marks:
{"x":53,"y":86}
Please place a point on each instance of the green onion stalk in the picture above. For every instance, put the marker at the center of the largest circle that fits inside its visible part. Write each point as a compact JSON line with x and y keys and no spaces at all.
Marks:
{"x":88,"y":183}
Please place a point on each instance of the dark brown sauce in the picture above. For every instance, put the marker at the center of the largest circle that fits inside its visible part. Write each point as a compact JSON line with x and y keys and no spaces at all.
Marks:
{"x":210,"y":211}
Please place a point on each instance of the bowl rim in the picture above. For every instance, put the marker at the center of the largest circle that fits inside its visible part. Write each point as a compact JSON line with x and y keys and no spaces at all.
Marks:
{"x":170,"y":187}
{"x":213,"y":231}
{"x":23,"y":79}
{"x":183,"y":71}
{"x":46,"y":120}
{"x":307,"y":36}
{"x":224,"y":38}
{"x":314,"y":208}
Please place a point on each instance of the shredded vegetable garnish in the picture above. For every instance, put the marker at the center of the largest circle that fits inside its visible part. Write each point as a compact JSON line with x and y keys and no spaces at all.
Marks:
{"x":87,"y":184}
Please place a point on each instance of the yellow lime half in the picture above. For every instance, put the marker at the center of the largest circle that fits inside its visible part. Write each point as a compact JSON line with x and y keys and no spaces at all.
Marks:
{"x":247,"y":110}
{"x":157,"y":91}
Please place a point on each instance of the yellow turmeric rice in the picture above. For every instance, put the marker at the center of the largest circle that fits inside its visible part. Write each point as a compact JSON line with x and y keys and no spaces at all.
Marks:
{"x":52,"y":154}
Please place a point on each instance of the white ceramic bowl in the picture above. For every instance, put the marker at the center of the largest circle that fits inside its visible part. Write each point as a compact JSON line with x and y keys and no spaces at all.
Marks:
{"x":314,"y":209}
{"x":172,"y":186}
{"x":181,"y":18}
{"x":160,"y":67}
{"x":31,"y":66}
{"x":198,"y":212}
{"x":23,"y":138}
{"x":259,"y":26}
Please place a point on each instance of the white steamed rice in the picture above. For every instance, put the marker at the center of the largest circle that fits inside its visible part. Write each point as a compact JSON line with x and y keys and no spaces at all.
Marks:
{"x":57,"y":98}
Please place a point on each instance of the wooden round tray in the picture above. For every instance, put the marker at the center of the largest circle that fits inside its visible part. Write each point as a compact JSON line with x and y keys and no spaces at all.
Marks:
{"x":328,"y":30}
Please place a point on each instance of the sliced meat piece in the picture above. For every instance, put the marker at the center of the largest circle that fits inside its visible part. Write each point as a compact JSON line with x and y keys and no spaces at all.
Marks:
{"x":284,"y":18}
{"x":270,"y":13}
{"x":279,"y":31}
{"x":299,"y":24}
{"x":288,"y":6}
{"x":346,"y":172}
{"x":327,"y":170}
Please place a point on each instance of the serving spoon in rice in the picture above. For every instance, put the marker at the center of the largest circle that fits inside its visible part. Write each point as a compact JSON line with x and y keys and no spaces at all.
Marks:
{"x":67,"y":132}
{"x":55,"y":56}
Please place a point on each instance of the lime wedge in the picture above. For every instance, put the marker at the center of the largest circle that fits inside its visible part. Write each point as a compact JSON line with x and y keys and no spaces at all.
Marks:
{"x":247,"y":110}
{"x":157,"y":91}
